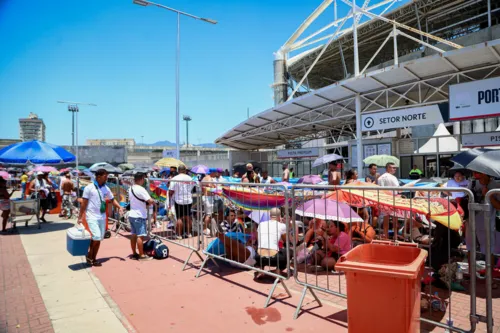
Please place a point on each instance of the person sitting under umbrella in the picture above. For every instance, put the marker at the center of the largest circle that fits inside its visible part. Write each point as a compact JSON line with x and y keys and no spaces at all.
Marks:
{"x":338,"y":243}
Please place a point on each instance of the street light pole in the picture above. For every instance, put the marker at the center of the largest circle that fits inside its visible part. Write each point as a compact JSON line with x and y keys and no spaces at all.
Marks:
{"x":187,"y":119}
{"x":73,"y":107}
{"x":177,"y":61}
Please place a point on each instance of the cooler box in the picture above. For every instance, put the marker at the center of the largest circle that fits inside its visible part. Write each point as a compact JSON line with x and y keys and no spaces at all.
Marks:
{"x":383,"y":287}
{"x":77,"y":241}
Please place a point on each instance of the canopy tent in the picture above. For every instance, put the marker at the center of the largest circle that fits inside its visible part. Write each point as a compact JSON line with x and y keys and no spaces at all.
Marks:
{"x":447,"y":144}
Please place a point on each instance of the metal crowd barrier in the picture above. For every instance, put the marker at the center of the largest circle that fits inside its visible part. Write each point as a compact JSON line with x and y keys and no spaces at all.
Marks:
{"x":316,"y":274}
{"x":248,"y":244}
{"x":490,"y":210}
{"x":178,"y":226}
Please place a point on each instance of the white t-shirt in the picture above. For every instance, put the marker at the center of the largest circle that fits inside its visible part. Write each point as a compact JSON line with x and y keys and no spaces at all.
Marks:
{"x":453,"y":183}
{"x":266,"y":181}
{"x":138,"y":208}
{"x":94,"y":206}
{"x":388,"y":180}
{"x":182,"y":188}
{"x":270,"y":233}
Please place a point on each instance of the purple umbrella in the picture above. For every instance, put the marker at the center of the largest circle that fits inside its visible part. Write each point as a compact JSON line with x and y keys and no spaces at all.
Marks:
{"x":310,"y":179}
{"x":201,"y":169}
{"x":328,"y":210}
{"x":259,"y":216}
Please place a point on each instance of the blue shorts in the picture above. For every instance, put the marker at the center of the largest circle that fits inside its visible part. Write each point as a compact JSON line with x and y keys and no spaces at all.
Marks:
{"x":138,"y":226}
{"x":97,"y":229}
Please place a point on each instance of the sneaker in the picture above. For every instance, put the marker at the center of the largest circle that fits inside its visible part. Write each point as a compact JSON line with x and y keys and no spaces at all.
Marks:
{"x":145,"y":258}
{"x":207,"y":232}
{"x":135,"y":256}
{"x":158,"y":225}
{"x":178,"y":237}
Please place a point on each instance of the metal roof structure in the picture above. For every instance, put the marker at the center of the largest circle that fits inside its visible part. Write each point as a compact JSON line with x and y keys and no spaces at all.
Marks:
{"x":447,"y":19}
{"x":414,"y":79}
{"x":330,"y":110}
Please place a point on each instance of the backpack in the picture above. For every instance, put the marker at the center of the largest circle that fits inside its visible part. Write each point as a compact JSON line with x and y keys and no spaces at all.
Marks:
{"x":154,"y":247}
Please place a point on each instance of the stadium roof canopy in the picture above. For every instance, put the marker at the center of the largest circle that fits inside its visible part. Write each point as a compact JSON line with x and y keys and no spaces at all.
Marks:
{"x":418,"y":75}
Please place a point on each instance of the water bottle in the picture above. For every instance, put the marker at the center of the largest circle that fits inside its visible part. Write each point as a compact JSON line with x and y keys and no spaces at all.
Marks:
{"x":436,"y":302}
{"x":459,"y":275}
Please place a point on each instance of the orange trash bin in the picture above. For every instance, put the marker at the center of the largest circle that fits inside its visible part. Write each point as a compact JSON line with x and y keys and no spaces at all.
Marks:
{"x":383,"y":287}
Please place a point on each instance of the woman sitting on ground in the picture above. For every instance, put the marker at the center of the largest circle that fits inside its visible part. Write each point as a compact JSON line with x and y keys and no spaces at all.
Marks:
{"x":362,"y":233}
{"x":338,"y":243}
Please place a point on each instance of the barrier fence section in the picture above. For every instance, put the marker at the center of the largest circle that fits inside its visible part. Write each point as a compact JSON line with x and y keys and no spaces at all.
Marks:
{"x":418,"y":215}
{"x":180,"y":200}
{"x":491,"y":210}
{"x":252,"y":228}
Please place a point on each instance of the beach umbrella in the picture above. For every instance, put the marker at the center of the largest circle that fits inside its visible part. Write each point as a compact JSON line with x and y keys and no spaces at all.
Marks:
{"x":82,"y":167}
{"x":65,"y":170}
{"x":106,"y":166}
{"x":155,"y":168}
{"x":310,"y":179}
{"x":200,"y":169}
{"x":480,"y":160}
{"x":328,"y":210}
{"x":45,"y":169}
{"x":5,"y":175}
{"x":326,"y":159}
{"x":169,"y":162}
{"x":126,"y":166}
{"x":35,"y":152}
{"x":381,"y":160}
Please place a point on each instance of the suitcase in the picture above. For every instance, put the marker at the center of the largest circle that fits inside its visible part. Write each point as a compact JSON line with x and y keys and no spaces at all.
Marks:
{"x":77,"y":241}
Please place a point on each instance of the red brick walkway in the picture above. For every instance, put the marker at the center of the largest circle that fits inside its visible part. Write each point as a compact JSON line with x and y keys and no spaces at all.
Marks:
{"x":21,"y":306}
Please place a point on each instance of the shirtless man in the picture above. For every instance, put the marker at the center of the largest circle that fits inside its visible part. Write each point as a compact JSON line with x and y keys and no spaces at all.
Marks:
{"x":333,"y":174}
{"x":286,"y":173}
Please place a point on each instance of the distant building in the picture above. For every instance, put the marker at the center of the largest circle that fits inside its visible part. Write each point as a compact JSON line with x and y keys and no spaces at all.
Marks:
{"x":7,"y":142}
{"x":31,"y":128}
{"x":111,"y":142}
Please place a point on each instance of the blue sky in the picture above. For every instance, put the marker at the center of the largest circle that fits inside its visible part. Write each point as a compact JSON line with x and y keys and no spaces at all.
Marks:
{"x":121,"y":57}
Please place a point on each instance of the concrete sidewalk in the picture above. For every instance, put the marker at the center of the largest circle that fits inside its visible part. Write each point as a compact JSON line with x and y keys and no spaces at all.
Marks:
{"x":74,"y":298}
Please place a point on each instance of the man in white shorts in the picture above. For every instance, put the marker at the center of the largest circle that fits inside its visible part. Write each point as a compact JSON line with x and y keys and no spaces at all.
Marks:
{"x":94,"y":207}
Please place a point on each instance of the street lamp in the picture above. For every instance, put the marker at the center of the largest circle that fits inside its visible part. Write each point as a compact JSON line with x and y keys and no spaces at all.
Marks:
{"x":187,"y":119}
{"x":73,"y":107}
{"x":177,"y":59}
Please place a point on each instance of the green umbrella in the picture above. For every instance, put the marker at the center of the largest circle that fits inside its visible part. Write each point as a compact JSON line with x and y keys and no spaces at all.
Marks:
{"x":81,"y":167}
{"x":381,"y":160}
{"x":126,"y":166}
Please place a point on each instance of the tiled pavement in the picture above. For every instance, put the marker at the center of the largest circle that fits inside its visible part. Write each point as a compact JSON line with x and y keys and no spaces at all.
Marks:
{"x":22,"y":309}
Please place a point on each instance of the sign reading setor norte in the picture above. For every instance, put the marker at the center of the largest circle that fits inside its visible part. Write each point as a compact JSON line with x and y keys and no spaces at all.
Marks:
{"x":424,"y":115}
{"x":298,"y":153}
{"x":476,"y":99}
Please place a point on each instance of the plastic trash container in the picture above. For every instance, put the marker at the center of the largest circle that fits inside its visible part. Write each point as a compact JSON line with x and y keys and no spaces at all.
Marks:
{"x":383,"y":287}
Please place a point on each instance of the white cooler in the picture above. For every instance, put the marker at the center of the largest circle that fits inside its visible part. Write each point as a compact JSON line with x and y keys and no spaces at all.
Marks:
{"x":77,"y":241}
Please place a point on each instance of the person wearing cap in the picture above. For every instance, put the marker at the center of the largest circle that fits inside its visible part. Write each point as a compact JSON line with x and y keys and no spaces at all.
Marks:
{"x":208,"y":200}
{"x":94,"y":207}
{"x":40,"y":188}
{"x":286,"y":173}
{"x":266,"y":179}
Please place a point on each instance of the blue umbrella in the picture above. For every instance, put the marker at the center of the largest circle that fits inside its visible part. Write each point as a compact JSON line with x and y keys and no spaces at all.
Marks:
{"x":259,"y":216}
{"x":35,"y":152}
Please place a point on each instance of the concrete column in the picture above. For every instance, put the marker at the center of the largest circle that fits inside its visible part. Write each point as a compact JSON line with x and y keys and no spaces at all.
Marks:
{"x":280,"y":85}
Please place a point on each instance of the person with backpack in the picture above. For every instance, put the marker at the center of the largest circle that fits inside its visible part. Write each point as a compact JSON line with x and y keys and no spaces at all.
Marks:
{"x":139,"y":205}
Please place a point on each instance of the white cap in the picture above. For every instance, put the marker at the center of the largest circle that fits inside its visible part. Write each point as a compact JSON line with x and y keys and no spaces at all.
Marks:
{"x":39,"y":173}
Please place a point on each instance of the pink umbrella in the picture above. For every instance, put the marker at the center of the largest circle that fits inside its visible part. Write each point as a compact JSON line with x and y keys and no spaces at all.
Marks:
{"x":328,"y":210}
{"x":5,"y":175}
{"x":310,"y":179}
{"x":65,"y":170}
{"x":44,"y":168}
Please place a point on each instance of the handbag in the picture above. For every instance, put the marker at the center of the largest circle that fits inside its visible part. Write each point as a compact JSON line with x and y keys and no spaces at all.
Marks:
{"x":127,"y":207}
